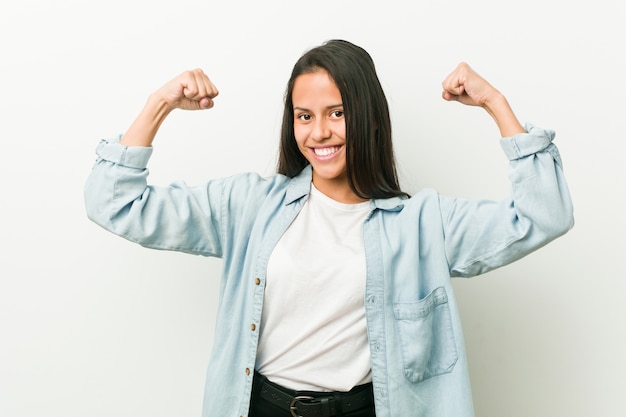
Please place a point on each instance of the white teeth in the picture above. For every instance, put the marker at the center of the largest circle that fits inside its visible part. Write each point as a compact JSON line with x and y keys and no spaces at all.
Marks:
{"x":325,"y":151}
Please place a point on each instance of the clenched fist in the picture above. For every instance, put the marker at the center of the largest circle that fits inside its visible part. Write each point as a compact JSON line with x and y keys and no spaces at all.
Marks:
{"x":191,"y":90}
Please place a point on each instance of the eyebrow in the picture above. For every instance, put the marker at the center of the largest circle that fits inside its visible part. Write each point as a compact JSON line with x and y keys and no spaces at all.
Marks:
{"x":333,"y":106}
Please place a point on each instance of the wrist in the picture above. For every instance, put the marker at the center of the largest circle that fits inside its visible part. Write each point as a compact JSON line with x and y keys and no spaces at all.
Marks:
{"x":499,"y":109}
{"x":495,"y":103}
{"x":144,"y":128}
{"x":158,"y":104}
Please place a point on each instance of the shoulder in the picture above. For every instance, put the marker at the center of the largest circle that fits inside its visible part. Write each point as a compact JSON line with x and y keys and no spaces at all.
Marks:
{"x":252,"y":183}
{"x":253,"y":186}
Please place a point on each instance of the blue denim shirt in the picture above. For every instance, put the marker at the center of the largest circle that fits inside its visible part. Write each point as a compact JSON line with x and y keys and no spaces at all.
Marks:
{"x":413,"y":247}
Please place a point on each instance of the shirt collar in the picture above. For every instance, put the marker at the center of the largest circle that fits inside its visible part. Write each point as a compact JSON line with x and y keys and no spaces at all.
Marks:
{"x":389,"y":204}
{"x":300,"y":185}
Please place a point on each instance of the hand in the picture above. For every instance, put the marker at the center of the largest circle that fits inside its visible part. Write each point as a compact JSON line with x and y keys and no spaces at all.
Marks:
{"x":466,"y":86}
{"x":191,"y":90}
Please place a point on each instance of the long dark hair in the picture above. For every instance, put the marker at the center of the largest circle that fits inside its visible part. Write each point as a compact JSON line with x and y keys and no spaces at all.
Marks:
{"x":370,"y":160}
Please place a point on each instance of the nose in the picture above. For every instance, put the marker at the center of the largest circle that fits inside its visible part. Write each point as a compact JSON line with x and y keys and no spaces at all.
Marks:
{"x":321,"y":130}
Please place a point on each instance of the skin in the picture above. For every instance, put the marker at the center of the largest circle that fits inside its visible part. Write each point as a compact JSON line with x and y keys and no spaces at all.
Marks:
{"x":467,"y":87}
{"x":319,"y":120}
{"x":191,"y":90}
{"x":320,"y":131}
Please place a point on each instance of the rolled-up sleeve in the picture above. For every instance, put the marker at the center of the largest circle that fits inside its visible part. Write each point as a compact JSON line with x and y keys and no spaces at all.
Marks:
{"x":175,"y":217}
{"x":481,"y":235}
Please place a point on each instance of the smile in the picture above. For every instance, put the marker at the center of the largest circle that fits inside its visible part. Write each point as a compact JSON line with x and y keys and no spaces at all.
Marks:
{"x":326,"y":152}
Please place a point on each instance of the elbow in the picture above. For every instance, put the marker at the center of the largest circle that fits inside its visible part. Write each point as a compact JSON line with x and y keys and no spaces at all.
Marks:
{"x":554,"y":214}
{"x":559,"y":228}
{"x":558,"y":223}
{"x":541,"y":226}
{"x":565,"y":219}
{"x":565,"y":224}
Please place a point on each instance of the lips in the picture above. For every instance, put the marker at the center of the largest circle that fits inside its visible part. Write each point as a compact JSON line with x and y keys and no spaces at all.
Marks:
{"x":326,"y":152}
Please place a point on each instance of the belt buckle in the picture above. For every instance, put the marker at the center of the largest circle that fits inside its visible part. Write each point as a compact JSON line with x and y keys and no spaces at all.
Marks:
{"x":292,"y":406}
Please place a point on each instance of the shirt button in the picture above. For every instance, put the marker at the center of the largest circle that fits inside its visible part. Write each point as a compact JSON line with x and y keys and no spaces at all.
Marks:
{"x":257,"y":281}
{"x":253,"y":327}
{"x":247,"y":371}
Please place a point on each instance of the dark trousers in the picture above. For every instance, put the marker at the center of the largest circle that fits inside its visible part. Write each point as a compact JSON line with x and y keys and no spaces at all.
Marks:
{"x":264,"y":406}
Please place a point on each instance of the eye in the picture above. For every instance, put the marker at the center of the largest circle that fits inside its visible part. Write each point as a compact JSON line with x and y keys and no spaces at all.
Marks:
{"x":304,"y":117}
{"x":337,"y":114}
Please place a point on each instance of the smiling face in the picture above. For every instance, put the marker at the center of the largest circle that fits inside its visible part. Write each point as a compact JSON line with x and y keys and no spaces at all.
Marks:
{"x":320,"y":130}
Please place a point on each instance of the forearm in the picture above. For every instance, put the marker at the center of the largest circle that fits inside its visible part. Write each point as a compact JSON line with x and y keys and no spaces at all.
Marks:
{"x":144,"y":128}
{"x":500,"y":110}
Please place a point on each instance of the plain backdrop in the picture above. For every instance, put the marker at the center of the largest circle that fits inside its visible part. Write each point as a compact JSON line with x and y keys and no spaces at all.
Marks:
{"x":92,"y":325}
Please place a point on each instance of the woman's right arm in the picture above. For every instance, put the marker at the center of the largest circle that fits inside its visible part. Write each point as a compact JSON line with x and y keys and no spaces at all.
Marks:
{"x":118,"y":198}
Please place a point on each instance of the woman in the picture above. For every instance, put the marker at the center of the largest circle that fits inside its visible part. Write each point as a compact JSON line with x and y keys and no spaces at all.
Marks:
{"x":336,"y":296}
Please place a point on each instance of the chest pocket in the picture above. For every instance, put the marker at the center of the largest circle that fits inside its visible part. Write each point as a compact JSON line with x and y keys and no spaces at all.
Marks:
{"x":427,"y":336}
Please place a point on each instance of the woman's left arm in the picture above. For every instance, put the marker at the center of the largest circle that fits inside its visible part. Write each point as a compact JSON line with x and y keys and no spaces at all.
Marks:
{"x":483,"y":235}
{"x":466,"y":86}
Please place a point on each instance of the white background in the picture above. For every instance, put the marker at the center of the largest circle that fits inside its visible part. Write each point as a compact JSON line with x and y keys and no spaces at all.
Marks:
{"x":92,"y":325}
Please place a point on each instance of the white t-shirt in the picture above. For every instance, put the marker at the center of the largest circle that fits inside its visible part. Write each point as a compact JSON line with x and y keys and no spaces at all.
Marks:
{"x":313,"y":332}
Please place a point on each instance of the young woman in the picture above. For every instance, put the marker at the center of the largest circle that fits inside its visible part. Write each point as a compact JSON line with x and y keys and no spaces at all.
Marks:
{"x":336,"y":297}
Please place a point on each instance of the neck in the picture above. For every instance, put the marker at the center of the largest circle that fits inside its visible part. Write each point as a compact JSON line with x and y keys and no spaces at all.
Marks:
{"x":339,"y":191}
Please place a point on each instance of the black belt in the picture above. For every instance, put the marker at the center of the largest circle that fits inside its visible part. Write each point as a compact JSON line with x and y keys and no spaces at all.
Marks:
{"x":315,"y":404}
